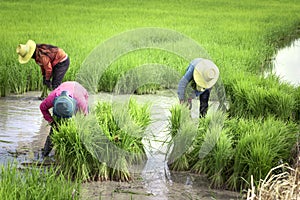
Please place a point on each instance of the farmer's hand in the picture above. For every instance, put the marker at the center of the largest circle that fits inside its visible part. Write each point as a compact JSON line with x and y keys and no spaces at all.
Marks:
{"x":48,"y":83}
{"x":188,"y":103}
{"x":53,"y":124}
{"x":44,"y":80}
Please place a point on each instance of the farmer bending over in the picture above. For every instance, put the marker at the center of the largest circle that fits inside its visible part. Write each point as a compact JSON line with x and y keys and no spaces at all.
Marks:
{"x":66,"y":100}
{"x":202,"y":74}
{"x":54,"y":62}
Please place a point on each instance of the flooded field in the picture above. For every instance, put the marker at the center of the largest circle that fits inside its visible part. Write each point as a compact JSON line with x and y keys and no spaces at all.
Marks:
{"x":287,"y":63}
{"x":23,"y":132}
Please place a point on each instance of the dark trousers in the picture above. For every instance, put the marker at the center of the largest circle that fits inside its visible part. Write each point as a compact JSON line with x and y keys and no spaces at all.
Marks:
{"x":59,"y":72}
{"x":48,"y":144}
{"x":204,"y":97}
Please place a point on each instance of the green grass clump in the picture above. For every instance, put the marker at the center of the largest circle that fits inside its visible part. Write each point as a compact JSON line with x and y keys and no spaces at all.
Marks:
{"x":37,"y":182}
{"x":267,"y":144}
{"x":263,"y":98}
{"x":75,"y":161}
{"x":230,"y":150}
{"x":104,"y":144}
{"x":182,"y":131}
{"x":212,"y":149}
{"x":125,"y":126}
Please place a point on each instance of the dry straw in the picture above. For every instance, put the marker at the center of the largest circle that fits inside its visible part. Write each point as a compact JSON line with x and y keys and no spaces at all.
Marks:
{"x":282,"y":186}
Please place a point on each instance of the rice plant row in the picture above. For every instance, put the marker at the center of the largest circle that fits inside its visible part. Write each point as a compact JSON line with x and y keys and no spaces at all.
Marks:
{"x":231,"y":150}
{"x":240,"y":37}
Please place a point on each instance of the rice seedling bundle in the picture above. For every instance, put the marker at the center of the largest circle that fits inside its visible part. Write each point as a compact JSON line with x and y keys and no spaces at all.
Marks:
{"x":104,"y":144}
{"x":213,"y":149}
{"x":267,"y":144}
{"x":229,"y":155}
{"x":182,"y":131}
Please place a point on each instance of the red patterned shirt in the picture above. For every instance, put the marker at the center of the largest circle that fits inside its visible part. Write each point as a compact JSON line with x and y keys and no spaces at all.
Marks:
{"x":47,"y":56}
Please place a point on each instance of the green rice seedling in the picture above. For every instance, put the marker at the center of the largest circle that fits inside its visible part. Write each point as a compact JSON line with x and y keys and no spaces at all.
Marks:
{"x":75,"y":161}
{"x":180,"y":164}
{"x":237,"y":67}
{"x":103,"y":144}
{"x":120,"y":171}
{"x":182,"y":131}
{"x":36,"y":182}
{"x":244,"y":47}
{"x":125,"y":125}
{"x":18,"y":82}
{"x":297,"y":99}
{"x":194,"y":155}
{"x":174,"y":120}
{"x":251,"y":100}
{"x":44,"y":92}
{"x":213,"y":149}
{"x":231,"y":154}
{"x":142,"y":71}
{"x":25,"y":78}
{"x":4,"y":86}
{"x":267,"y":144}
{"x":139,"y":113}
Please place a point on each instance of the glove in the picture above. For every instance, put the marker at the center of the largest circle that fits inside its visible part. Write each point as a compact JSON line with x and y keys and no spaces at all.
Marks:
{"x":48,"y":83}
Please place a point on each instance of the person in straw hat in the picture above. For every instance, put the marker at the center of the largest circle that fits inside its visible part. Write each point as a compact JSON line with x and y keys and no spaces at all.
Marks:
{"x":202,"y":74}
{"x":54,"y":62}
{"x":66,"y":100}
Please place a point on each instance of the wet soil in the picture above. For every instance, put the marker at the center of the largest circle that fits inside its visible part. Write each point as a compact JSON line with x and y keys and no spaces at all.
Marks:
{"x":23,"y":132}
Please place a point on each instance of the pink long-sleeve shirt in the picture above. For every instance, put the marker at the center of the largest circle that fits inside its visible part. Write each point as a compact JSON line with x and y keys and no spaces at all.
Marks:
{"x":75,"y":90}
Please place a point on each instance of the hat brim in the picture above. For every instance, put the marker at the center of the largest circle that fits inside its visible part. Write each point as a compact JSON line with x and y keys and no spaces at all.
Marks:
{"x":24,"y":59}
{"x":200,"y":80}
{"x":198,"y":76}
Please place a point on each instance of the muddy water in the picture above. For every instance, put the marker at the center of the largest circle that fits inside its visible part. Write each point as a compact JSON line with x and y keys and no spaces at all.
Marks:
{"x":22,"y":129}
{"x":23,"y":132}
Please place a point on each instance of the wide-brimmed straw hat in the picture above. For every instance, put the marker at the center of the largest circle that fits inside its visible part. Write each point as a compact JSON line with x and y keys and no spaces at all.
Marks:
{"x":206,"y":74}
{"x":26,"y":51}
{"x":64,"y":105}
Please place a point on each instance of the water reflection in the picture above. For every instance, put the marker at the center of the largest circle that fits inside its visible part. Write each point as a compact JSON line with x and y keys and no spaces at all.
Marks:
{"x":23,"y":130}
{"x":19,"y":125}
{"x":287,"y":63}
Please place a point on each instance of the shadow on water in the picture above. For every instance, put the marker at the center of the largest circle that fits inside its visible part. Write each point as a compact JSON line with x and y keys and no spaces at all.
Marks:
{"x":23,"y":132}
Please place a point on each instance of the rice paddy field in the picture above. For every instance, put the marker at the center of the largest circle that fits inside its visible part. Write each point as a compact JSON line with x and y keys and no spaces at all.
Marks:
{"x":143,"y":46}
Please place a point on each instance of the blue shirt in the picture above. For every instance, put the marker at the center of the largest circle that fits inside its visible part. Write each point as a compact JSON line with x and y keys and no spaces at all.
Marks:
{"x":186,"y":79}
